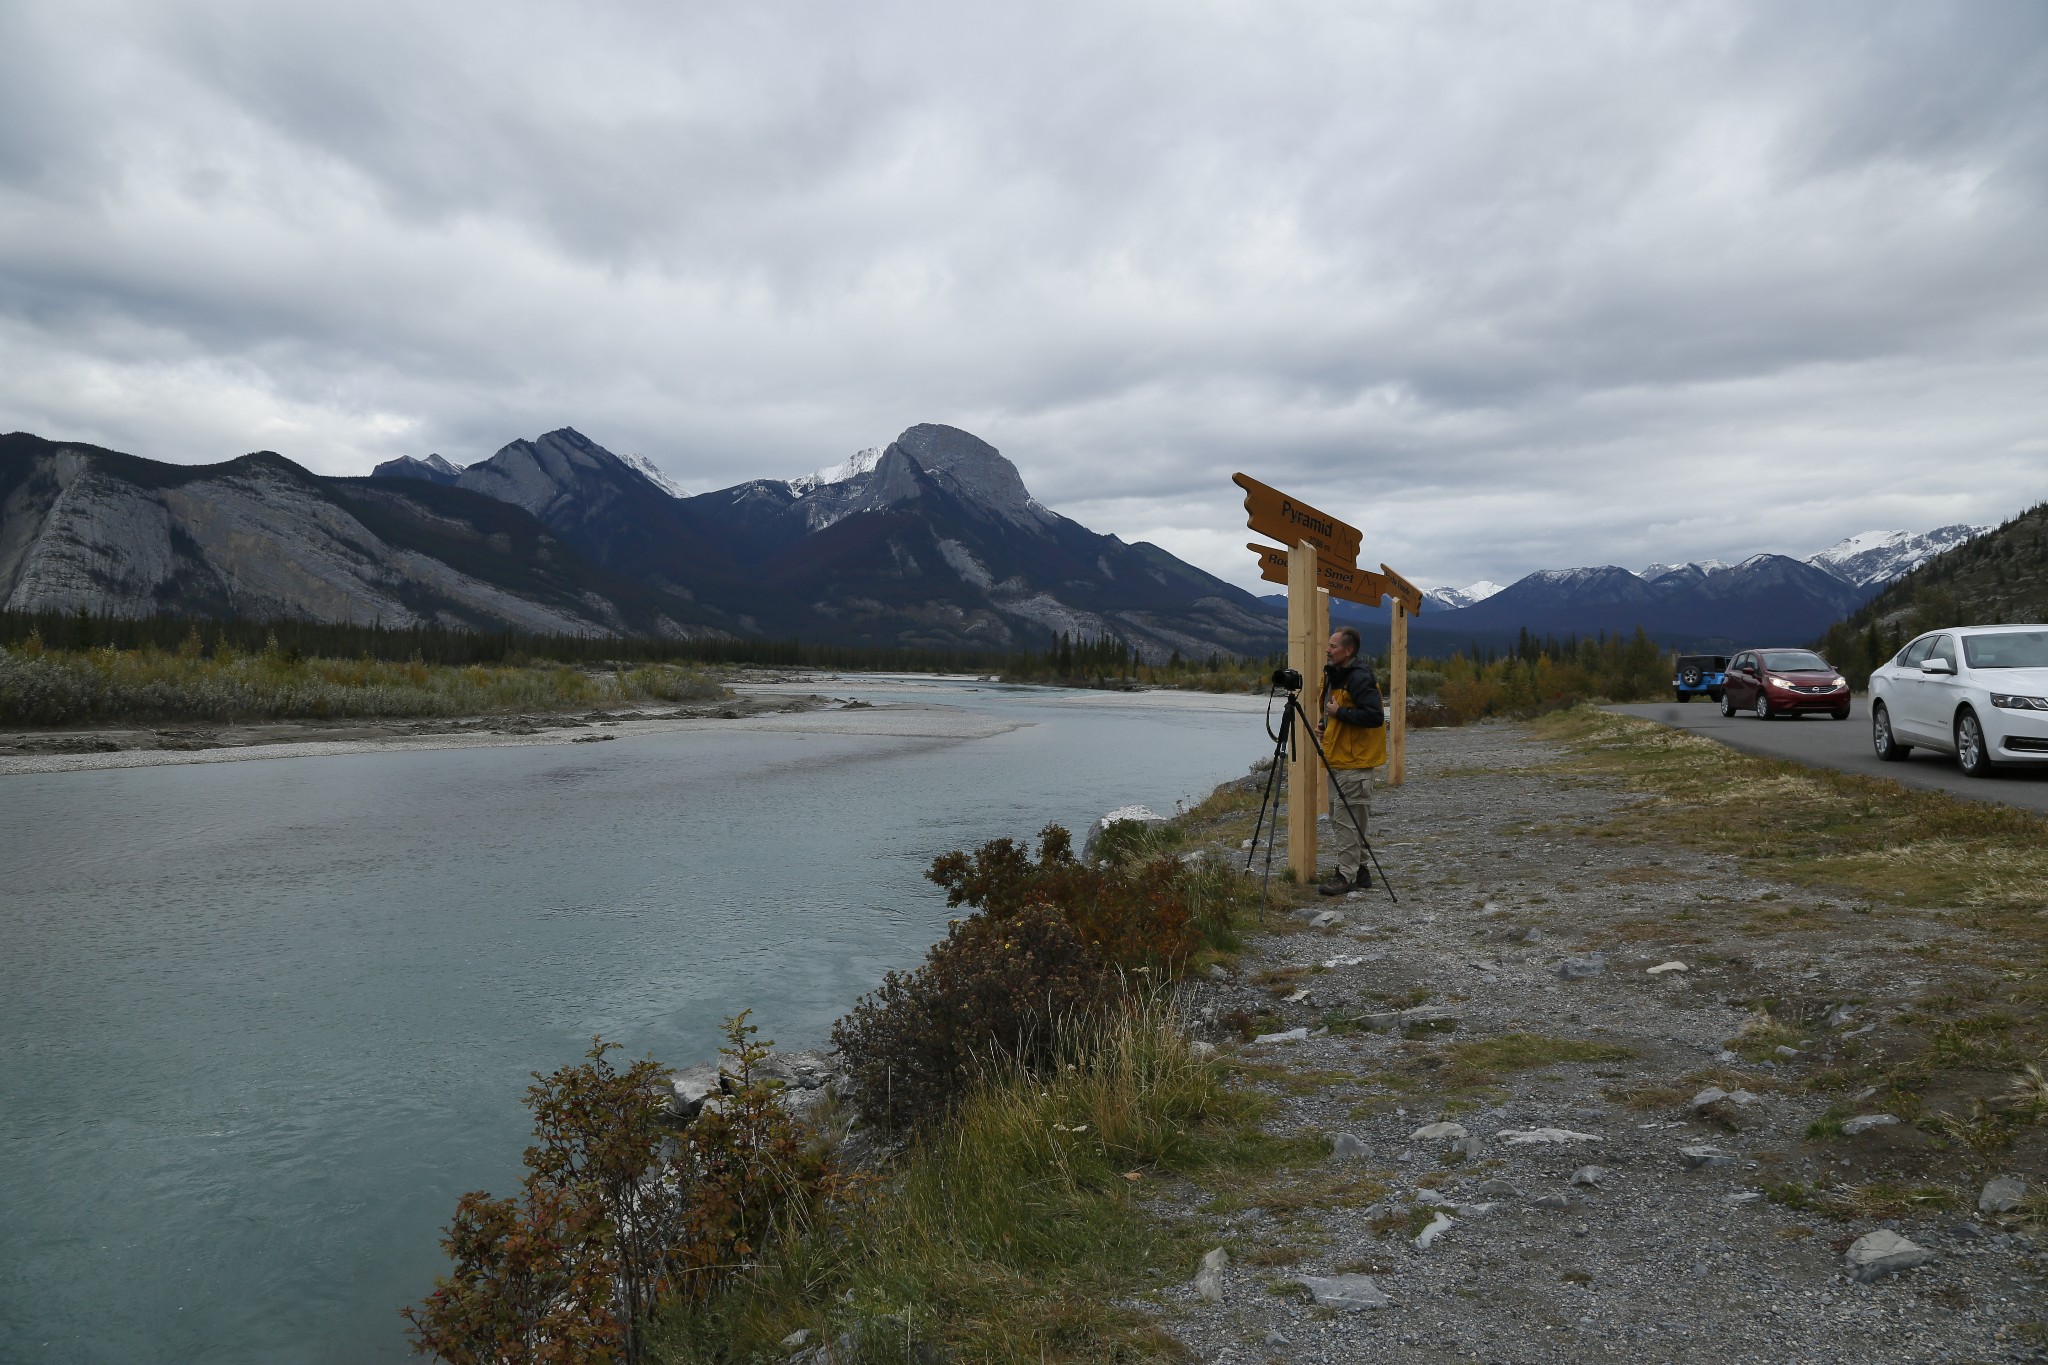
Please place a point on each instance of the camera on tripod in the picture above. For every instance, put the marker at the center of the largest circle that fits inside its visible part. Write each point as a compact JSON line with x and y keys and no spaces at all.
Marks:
{"x":1288,"y":679}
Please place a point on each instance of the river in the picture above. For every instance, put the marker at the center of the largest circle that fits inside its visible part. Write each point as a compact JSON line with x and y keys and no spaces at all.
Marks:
{"x":261,"y":1023}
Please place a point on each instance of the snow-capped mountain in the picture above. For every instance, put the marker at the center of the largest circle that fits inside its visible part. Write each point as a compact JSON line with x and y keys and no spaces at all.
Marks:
{"x":656,"y":476}
{"x":1874,"y":558}
{"x":1705,"y":567}
{"x":1450,"y":599}
{"x":852,"y":467}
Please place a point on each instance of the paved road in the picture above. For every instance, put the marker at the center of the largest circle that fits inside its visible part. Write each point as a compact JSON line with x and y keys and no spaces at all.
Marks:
{"x":1845,"y":746}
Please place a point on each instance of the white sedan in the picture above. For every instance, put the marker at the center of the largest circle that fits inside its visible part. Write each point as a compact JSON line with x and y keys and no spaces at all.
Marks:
{"x":1978,"y":692}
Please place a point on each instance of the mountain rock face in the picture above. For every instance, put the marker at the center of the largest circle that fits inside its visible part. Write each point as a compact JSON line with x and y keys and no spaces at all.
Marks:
{"x":1875,"y":558}
{"x":656,"y":476}
{"x":261,"y":537}
{"x":933,"y":542}
{"x":433,"y":469}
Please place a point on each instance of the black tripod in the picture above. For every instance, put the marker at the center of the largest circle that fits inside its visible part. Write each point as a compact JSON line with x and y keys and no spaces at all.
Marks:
{"x":1289,"y":681}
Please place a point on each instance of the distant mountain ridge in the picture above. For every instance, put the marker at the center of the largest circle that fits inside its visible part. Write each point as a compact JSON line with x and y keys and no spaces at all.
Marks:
{"x":1703,"y":603}
{"x":259,"y":536}
{"x":933,"y":542}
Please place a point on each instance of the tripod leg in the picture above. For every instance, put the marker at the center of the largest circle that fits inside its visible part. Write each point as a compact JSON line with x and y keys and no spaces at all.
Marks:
{"x":1266,"y":800}
{"x":1356,"y":823}
{"x":1281,"y":749}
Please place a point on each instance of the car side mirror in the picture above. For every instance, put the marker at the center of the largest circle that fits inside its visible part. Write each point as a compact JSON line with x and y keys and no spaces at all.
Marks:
{"x":1936,"y":666}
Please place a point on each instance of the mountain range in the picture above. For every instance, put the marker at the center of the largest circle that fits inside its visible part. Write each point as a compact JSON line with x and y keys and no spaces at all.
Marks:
{"x":932,"y":542}
{"x":1703,"y":604}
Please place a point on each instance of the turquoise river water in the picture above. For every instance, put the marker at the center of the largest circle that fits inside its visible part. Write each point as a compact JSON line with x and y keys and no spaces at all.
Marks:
{"x":262,"y":1022}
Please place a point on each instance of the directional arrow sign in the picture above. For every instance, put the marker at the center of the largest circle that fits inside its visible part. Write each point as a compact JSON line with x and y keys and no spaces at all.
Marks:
{"x":1347,"y":581}
{"x":1291,"y":521}
{"x":1399,"y":587}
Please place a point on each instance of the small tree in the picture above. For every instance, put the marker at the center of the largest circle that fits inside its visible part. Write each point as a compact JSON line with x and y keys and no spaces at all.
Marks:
{"x":618,"y":1211}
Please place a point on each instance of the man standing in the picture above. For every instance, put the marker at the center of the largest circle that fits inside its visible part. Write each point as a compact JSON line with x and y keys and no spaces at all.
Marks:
{"x":1354,"y":743}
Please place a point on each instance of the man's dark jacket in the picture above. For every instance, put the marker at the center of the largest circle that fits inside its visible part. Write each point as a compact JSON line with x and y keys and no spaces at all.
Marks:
{"x":1356,"y":678}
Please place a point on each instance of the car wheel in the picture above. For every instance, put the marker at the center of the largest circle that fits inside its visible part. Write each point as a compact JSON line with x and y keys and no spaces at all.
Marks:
{"x":1971,"y":755}
{"x":1763,"y":705}
{"x":1881,"y":737}
{"x":1842,"y":714}
{"x":1715,"y":696}
{"x":1727,"y":704}
{"x":1683,"y":696}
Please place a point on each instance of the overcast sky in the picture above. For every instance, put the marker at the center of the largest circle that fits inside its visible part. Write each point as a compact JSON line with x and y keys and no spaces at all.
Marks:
{"x":1509,"y":286}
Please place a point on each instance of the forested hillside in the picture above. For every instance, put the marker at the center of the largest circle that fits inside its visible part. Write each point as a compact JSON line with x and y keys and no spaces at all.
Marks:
{"x":2001,"y":576}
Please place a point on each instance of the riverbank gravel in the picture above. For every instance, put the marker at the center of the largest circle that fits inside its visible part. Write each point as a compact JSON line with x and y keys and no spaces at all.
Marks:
{"x":1583,"y":1210}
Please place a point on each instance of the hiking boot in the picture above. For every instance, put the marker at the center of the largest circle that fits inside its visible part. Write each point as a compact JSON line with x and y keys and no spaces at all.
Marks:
{"x":1335,"y":886}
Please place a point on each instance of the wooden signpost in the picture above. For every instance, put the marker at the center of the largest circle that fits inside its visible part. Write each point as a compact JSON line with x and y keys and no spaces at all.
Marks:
{"x":1321,"y":562}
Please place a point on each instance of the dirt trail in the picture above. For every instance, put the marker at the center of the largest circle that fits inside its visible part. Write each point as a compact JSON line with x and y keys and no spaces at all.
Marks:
{"x":1506,"y":882}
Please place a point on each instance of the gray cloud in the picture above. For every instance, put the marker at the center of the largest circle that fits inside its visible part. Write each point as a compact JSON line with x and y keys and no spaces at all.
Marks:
{"x":1514,"y":286}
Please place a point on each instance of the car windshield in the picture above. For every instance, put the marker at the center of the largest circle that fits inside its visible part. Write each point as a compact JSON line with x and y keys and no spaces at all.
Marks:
{"x":2007,"y":649}
{"x":1795,"y":661}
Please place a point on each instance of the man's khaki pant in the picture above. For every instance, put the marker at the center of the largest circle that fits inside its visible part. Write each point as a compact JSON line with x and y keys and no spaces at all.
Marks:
{"x":1347,"y":840}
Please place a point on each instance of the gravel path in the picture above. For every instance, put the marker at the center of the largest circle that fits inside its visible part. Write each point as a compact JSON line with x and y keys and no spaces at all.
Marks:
{"x":1656,"y":1257}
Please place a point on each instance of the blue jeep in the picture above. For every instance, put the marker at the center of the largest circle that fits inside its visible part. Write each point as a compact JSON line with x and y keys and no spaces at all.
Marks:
{"x":1699,"y":675}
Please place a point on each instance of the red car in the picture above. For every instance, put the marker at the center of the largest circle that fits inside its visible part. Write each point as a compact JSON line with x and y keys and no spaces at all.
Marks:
{"x":1783,"y":682}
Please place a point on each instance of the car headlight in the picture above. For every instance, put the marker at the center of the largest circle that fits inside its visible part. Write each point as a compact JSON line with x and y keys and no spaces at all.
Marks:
{"x":2010,"y":701}
{"x":1777,"y":681}
{"x":1838,"y":682}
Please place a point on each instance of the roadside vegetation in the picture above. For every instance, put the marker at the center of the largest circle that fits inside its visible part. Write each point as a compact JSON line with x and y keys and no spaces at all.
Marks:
{"x":1019,"y":1100}
{"x":210,"y":679}
{"x":1538,"y":675}
{"x":1956,"y":883}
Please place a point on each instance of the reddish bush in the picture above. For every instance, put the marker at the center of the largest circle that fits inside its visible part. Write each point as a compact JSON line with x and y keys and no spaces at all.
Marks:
{"x":994,"y":989}
{"x":1136,"y":914}
{"x":618,"y":1212}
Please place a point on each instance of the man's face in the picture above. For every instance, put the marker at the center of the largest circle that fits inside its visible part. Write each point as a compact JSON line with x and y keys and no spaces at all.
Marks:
{"x":1339,"y":650}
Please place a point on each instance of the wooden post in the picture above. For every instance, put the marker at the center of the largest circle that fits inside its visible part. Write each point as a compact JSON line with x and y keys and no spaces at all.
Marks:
{"x":1397,"y":723}
{"x":1304,"y":775}
{"x":1312,"y":693}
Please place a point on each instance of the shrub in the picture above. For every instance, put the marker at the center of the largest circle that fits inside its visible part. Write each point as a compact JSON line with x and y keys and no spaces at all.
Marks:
{"x":617,"y":1214}
{"x":1137,"y":912}
{"x":996,"y":990}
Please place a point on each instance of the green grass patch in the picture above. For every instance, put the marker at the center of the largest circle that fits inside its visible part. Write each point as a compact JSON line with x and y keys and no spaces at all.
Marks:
{"x":1485,"y":1060}
{"x":1014,"y":1232}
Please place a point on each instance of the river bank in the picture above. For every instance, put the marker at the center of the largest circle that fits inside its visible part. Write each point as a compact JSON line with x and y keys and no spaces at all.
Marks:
{"x":301,"y":999}
{"x":1595,"y":1092}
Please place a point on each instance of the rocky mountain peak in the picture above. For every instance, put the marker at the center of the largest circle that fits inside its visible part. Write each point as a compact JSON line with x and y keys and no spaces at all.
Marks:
{"x":976,"y":468}
{"x":562,"y":466}
{"x":926,"y":455}
{"x":433,"y":469}
{"x":1874,"y":558}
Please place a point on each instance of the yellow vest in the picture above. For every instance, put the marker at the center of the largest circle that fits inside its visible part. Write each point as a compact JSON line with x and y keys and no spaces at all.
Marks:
{"x":1353,"y":746}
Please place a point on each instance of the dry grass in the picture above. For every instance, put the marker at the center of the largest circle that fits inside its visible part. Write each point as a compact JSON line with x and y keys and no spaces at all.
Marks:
{"x":1870,"y":837}
{"x":40,"y":687}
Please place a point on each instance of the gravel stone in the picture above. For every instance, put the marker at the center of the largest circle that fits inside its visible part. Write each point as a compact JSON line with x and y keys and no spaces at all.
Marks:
{"x":1345,"y":1293}
{"x":2002,"y":1194}
{"x":1863,"y":1123}
{"x":1881,"y":1253}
